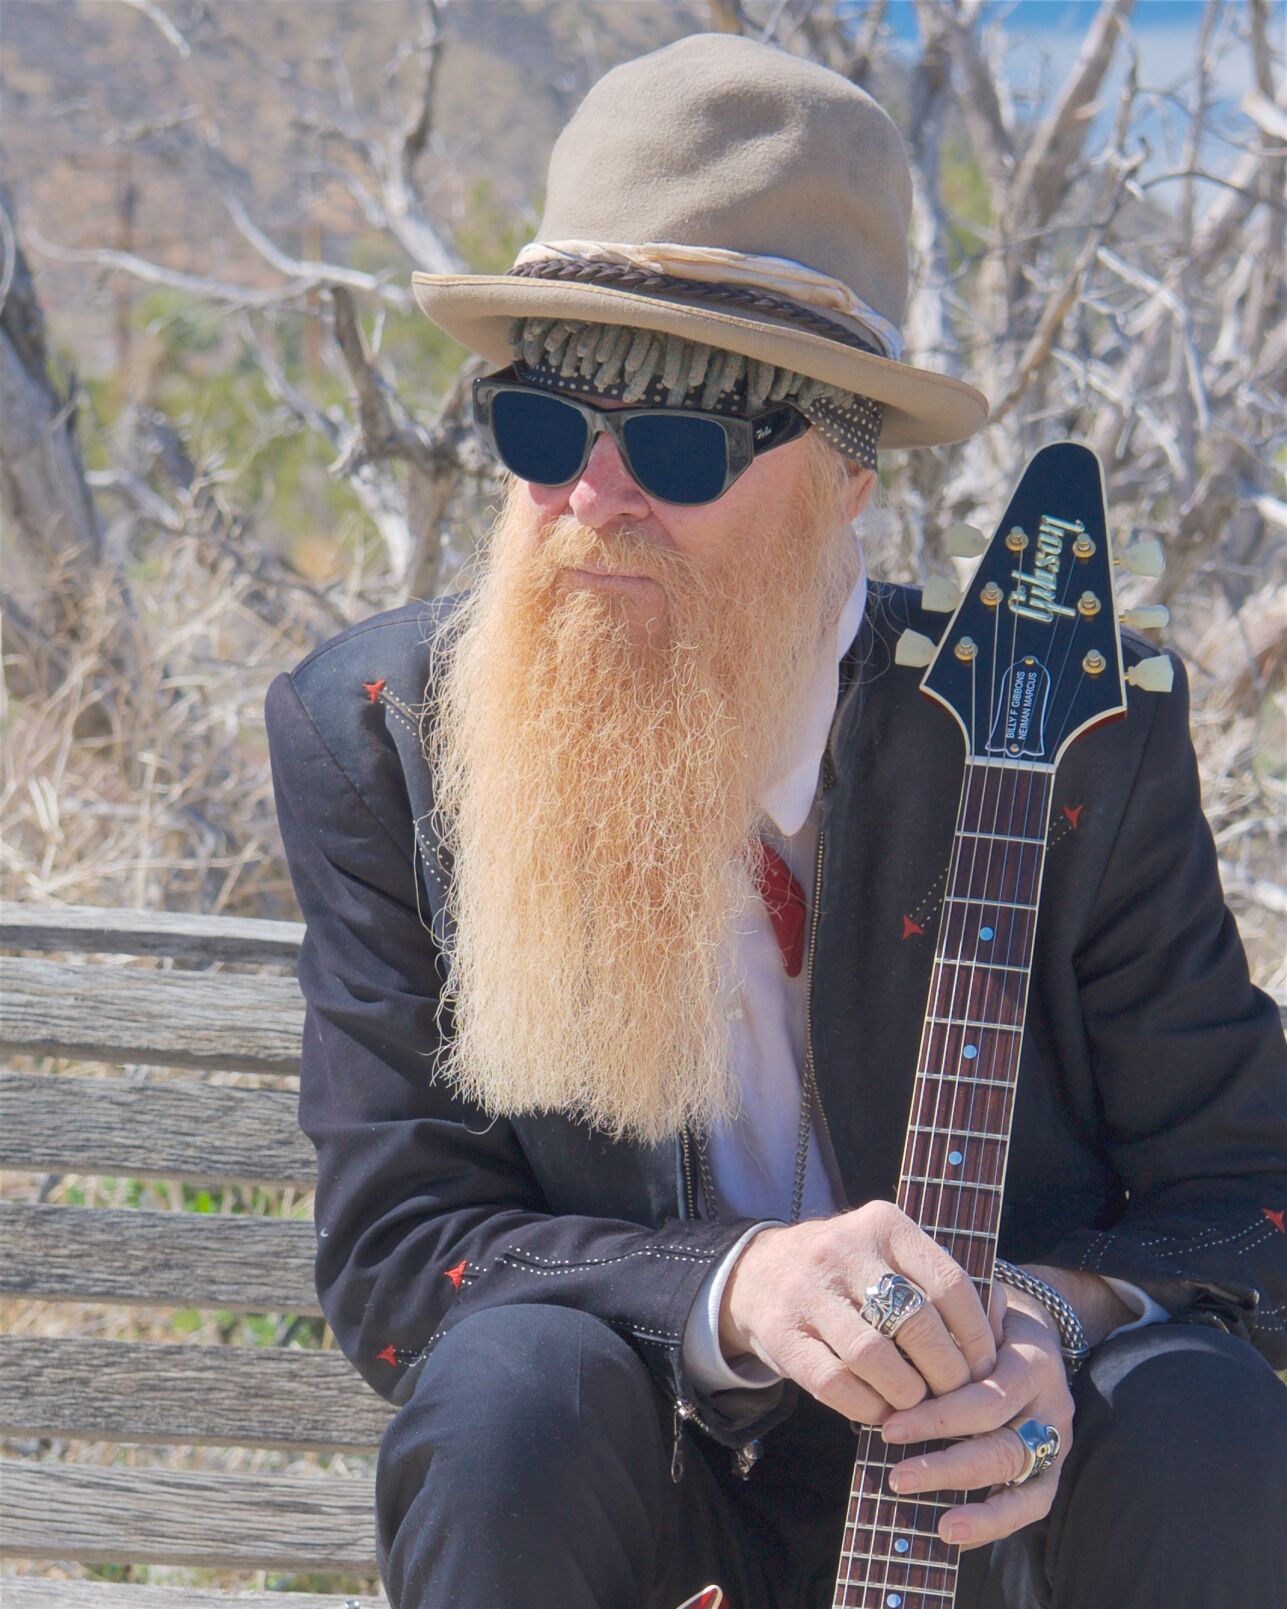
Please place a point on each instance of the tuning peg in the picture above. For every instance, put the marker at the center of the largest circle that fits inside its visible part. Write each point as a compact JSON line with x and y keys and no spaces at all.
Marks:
{"x":1151,"y":617}
{"x":914,"y":649}
{"x":1155,"y":675}
{"x":940,"y":595}
{"x":1143,"y":558}
{"x":965,"y":542}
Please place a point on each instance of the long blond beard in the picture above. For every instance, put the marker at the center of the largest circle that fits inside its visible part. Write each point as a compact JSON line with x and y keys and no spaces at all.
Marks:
{"x":598,"y":789}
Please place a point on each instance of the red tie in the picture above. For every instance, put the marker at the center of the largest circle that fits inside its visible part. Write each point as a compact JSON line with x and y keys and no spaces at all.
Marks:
{"x":784,"y":899}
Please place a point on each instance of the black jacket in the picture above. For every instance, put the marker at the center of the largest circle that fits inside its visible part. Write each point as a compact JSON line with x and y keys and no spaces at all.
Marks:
{"x":1150,"y":1136}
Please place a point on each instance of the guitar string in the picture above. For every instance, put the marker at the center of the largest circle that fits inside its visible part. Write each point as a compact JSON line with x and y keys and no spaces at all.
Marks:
{"x":1024,"y":873}
{"x":992,"y":792}
{"x":1058,"y":723}
{"x":924,"y":1095}
{"x":971,"y":811}
{"x":884,"y":1544}
{"x":1027,"y":870}
{"x":975,"y":805}
{"x":1018,"y":796}
{"x":882,"y":1535}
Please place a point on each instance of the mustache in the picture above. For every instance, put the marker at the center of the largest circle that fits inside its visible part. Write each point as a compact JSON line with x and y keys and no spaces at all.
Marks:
{"x":564,"y":543}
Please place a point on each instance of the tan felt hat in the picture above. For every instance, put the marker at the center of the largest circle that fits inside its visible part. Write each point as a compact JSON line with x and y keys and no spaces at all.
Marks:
{"x":726,"y":192}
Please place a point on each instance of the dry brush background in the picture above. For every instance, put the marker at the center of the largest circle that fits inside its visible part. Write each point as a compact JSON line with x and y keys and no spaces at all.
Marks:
{"x":225,"y":432}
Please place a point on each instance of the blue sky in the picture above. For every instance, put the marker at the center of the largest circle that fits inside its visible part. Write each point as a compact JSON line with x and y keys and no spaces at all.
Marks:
{"x":1045,"y":35}
{"x":1071,"y":15}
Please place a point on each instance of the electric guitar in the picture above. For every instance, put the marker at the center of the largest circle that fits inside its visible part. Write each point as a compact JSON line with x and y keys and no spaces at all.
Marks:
{"x":1030,"y":661}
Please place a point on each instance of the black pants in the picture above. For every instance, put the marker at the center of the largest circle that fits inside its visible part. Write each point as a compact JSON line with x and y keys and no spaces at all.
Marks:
{"x":532,"y":1468}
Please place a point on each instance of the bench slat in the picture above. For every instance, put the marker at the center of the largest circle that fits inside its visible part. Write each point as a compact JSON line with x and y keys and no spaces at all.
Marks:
{"x":43,"y":1592}
{"x":94,"y":1515}
{"x":60,"y":1123}
{"x":140,"y":1392}
{"x":168,"y":1259}
{"x":181,"y":935}
{"x":135,"y":1014}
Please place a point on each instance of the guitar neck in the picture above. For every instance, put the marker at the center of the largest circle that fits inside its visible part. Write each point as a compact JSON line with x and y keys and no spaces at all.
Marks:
{"x":958,"y":1138}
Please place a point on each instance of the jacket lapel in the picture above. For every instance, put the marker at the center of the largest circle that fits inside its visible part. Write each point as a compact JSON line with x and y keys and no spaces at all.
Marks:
{"x":888,"y":819}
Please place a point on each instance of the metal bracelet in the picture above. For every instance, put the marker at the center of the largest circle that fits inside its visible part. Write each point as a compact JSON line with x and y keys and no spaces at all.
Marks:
{"x":1072,"y":1337}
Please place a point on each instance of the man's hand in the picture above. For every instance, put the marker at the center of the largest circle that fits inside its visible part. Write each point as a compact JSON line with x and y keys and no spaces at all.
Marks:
{"x":793,"y":1296}
{"x":1029,"y":1380}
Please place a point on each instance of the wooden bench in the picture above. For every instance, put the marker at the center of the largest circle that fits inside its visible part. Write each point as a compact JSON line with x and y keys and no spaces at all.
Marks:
{"x":196,"y":1128}
{"x":178,"y":1394}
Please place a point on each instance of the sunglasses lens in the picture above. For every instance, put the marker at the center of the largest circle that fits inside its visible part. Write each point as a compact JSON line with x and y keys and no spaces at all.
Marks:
{"x":539,"y":438}
{"x":677,"y":458}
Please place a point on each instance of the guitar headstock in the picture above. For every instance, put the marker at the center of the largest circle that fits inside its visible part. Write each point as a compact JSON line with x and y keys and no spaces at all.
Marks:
{"x":1032,"y":656}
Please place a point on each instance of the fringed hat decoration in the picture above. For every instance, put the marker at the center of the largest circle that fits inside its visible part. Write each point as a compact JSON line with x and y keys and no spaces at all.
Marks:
{"x":660,"y":369}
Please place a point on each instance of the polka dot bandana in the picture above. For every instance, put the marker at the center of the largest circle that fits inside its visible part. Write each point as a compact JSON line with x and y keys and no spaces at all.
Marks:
{"x":663,"y":370}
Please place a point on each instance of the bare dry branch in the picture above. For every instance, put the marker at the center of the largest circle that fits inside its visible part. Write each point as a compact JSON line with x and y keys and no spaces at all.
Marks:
{"x":155,"y":14}
{"x":417,"y":128}
{"x":380,"y":435}
{"x":1048,"y":164}
{"x":199,"y":285}
{"x":311,"y":274}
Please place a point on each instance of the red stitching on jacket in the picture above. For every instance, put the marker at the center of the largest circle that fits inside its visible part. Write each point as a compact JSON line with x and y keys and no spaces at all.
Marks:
{"x":1276,"y":1218}
{"x":456,"y":1274}
{"x":373,"y":689}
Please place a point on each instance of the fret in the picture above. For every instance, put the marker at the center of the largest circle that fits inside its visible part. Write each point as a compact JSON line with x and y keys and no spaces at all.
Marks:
{"x":902,"y":1530}
{"x":949,"y":1184}
{"x":998,"y":837}
{"x":977,"y":995}
{"x":978,"y":762}
{"x":908,"y":1560}
{"x":986,"y":904}
{"x":966,"y":1078}
{"x":957,"y":1133}
{"x":884,"y":1590}
{"x":1001,"y":872}
{"x":991,"y":800}
{"x":951,"y":1158}
{"x":1009,"y":932}
{"x":974,"y":1234}
{"x":986,"y":966}
{"x":992,"y":1027}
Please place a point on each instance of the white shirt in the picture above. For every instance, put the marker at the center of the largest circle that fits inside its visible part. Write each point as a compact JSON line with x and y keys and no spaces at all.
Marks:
{"x":753,"y":1157}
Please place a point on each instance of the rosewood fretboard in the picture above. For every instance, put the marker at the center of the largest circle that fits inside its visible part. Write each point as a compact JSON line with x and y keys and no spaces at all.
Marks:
{"x":958,"y":1136}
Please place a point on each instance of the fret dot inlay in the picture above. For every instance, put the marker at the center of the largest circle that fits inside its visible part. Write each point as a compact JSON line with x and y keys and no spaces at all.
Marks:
{"x":985,"y":933}
{"x":894,"y":1599}
{"x":955,"y":1158}
{"x":902,"y":1545}
{"x":970,"y":1052}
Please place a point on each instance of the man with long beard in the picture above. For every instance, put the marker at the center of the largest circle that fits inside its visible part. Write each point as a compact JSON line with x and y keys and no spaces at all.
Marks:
{"x":618,"y":703}
{"x":605,"y":866}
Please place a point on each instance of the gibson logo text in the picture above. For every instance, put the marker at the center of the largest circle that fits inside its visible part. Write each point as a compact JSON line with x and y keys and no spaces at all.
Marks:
{"x":1033,"y":596}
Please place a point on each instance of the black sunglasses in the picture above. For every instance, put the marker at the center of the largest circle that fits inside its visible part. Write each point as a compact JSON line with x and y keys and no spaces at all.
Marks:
{"x":679,"y":455}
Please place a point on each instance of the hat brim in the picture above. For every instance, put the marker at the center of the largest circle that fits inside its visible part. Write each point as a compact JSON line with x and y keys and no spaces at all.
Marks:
{"x":922,"y":409}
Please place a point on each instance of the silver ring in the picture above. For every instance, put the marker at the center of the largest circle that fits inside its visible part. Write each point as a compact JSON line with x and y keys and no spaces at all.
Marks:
{"x":1040,"y":1448}
{"x":889,"y":1303}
